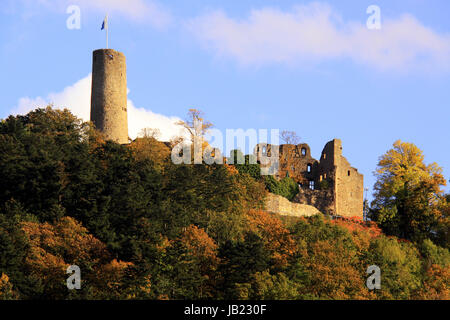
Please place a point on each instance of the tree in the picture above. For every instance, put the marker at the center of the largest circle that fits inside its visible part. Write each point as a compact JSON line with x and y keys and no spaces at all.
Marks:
{"x":408,"y":193}
{"x":195,"y":124}
{"x":290,"y":137}
{"x":66,"y":242}
{"x":6,"y":288}
{"x":149,"y":148}
{"x":150,"y":133}
{"x":203,"y":251}
{"x":286,"y":187}
{"x":240,"y":260}
{"x":436,"y":284}
{"x":245,"y":164}
{"x":198,"y":127}
{"x":329,"y":262}
{"x":400,"y":265}
{"x":265,"y":286}
{"x":14,"y":248}
{"x":277,"y":239}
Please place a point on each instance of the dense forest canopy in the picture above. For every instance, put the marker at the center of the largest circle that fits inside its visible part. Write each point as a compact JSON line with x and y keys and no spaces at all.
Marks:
{"x":140,"y":227}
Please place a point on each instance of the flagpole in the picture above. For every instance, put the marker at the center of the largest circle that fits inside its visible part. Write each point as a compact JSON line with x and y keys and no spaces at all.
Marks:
{"x":107,"y":30}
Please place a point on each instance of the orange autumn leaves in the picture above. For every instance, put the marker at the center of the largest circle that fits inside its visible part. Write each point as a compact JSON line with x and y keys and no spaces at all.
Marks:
{"x":53,"y":247}
{"x":201,"y":246}
{"x":436,"y":284}
{"x":277,"y":238}
{"x":6,"y":288}
{"x":334,"y":272}
{"x":333,"y":264}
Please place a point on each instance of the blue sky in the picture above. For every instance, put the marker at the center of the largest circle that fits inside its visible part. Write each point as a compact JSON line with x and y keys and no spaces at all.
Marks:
{"x":311,"y":67}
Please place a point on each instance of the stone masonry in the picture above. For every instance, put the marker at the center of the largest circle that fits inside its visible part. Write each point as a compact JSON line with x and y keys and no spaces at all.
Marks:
{"x":109,"y":94}
{"x":329,"y":184}
{"x":282,"y":206}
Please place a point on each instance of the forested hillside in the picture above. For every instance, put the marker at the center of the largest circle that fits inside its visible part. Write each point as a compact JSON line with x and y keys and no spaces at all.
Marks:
{"x":141,"y":227}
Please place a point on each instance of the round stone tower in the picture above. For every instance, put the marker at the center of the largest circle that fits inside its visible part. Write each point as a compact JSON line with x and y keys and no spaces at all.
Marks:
{"x":109,"y":94}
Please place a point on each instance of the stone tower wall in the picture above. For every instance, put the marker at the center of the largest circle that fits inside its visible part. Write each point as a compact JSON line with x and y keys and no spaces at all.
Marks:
{"x":109,"y":94}
{"x":349,"y":185}
{"x":296,"y":162}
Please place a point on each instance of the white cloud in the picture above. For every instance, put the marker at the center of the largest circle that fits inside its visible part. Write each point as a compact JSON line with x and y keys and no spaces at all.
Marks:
{"x":77,"y":98}
{"x":315,"y":33}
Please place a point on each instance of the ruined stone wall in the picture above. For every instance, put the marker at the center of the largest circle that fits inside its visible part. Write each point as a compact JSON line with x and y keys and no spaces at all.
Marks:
{"x":282,"y":206}
{"x":297,"y":163}
{"x":349,"y":186}
{"x":323,"y":200}
{"x":109,"y":94}
{"x":330,"y":184}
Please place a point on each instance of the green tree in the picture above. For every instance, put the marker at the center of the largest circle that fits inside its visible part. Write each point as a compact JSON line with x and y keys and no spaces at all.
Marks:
{"x":246,"y":164}
{"x":400,"y":267}
{"x":286,"y":187}
{"x":407,"y":193}
{"x":240,"y":260}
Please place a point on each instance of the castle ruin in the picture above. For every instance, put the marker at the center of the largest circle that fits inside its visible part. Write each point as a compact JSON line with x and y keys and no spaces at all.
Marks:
{"x":109,"y":94}
{"x":329,"y":184}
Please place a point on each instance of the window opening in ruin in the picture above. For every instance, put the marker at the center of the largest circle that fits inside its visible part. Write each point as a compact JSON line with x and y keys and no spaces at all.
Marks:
{"x":348,"y":173}
{"x":311,"y":185}
{"x":309,"y":168}
{"x":264,"y":150}
{"x":303,"y":151}
{"x":324,"y":155}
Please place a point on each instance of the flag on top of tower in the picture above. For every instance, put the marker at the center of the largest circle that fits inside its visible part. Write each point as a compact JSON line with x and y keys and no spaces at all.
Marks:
{"x":105,"y":23}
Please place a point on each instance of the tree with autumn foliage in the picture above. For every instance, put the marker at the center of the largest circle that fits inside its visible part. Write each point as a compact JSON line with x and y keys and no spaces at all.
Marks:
{"x":195,"y":124}
{"x":141,"y":227}
{"x":330,"y":260}
{"x":277,"y":238}
{"x":6,"y":288}
{"x":149,"y":148}
{"x":408,"y":194}
{"x":56,"y":246}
